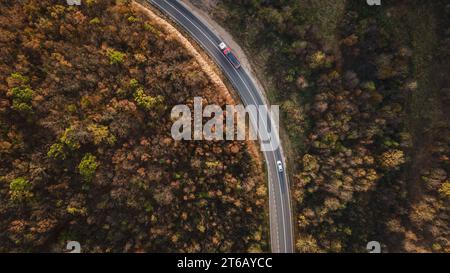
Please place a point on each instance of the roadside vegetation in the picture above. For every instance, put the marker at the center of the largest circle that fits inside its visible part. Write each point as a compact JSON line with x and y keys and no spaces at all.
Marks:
{"x":364,"y":93}
{"x":86,"y":152}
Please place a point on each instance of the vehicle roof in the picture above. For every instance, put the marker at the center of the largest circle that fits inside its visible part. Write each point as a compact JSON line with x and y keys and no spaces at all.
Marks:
{"x":222,"y":45}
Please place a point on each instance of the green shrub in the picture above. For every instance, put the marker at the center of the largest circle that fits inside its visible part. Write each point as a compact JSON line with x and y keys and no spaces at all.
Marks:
{"x":22,"y":107}
{"x":445,"y":189}
{"x":317,"y":60}
{"x":146,"y":101}
{"x":133,"y":19}
{"x":76,"y":211}
{"x":69,"y":139}
{"x":20,"y":189}
{"x":56,"y":151}
{"x":21,"y":96}
{"x":212,"y":164}
{"x":370,"y":86}
{"x":134,"y":83}
{"x":101,"y":134}
{"x":151,"y":28}
{"x":71,"y":108}
{"x":95,"y":21}
{"x":88,"y":166}
{"x":24,"y":94}
{"x":20,"y":77}
{"x":116,"y":57}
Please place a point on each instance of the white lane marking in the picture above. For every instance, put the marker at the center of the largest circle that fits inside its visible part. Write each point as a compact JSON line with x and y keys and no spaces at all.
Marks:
{"x":271,"y":194}
{"x":251,"y":94}
{"x":275,"y":160}
{"x":254,"y":99}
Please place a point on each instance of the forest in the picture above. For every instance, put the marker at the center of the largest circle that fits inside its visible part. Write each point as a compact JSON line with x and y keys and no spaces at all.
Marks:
{"x":365,"y":94}
{"x":86,"y":152}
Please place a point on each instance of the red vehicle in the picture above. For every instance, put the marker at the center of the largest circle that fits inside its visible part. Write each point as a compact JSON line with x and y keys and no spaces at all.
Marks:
{"x":230,"y":55}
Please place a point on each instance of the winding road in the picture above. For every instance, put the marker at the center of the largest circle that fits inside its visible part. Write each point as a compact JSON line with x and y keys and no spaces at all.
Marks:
{"x":281,"y":227}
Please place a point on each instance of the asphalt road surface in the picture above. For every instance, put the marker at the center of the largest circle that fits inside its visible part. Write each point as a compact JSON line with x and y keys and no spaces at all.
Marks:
{"x":281,"y":229}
